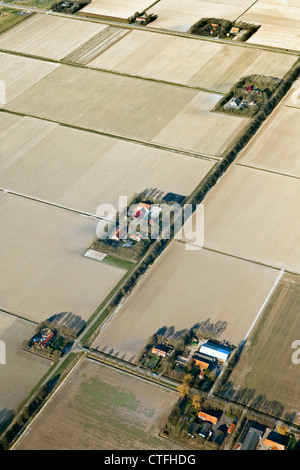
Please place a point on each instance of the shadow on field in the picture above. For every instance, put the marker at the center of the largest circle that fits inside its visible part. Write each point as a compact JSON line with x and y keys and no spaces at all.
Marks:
{"x":69,"y":320}
{"x":248,"y":397}
{"x":6,"y":417}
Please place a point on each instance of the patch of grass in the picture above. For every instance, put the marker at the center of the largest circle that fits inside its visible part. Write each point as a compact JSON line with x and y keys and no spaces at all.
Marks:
{"x":120,"y":263}
{"x":10,"y":17}
{"x":42,"y":4}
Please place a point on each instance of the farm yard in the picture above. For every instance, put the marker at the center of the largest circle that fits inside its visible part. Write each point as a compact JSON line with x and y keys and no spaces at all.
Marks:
{"x":44,"y":272}
{"x":160,"y":56}
{"x":21,"y":370}
{"x":185,"y":288}
{"x":119,"y":411}
{"x":54,"y":153}
{"x":266,"y":377}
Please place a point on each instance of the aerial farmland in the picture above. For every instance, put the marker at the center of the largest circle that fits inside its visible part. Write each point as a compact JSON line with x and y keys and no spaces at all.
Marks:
{"x":101,"y":104}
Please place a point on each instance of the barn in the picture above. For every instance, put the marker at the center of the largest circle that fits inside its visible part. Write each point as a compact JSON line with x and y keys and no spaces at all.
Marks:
{"x":216,"y":350}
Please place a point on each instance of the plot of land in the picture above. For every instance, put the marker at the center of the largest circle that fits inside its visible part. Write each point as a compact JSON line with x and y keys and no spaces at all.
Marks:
{"x":22,"y":370}
{"x":20,"y":73}
{"x":254,"y":214}
{"x":10,"y":17}
{"x":49,"y":36}
{"x":118,"y":9}
{"x":206,"y":64}
{"x":280,"y":23}
{"x":54,"y":154}
{"x":276,"y":146}
{"x":186,"y":288}
{"x":101,"y":408}
{"x":172,"y":14}
{"x":266,"y":376}
{"x":43,"y":270}
{"x":140,"y":109}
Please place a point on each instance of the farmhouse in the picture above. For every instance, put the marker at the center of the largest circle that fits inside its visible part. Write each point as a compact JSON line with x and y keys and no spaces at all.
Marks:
{"x":162,"y":350}
{"x":120,"y":233}
{"x":274,"y":441}
{"x":202,"y":360}
{"x":212,"y":416}
{"x":216,"y":350}
{"x":234,"y":30}
{"x":141,"y":210}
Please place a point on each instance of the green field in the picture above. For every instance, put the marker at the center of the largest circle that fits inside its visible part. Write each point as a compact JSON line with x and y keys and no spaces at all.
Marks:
{"x":100,"y":407}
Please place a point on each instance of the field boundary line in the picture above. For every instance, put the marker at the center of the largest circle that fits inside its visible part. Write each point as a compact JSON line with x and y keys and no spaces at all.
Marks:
{"x":248,"y":8}
{"x":21,"y":317}
{"x":259,"y":263}
{"x":188,"y":153}
{"x":53,"y":204}
{"x":265,"y":303}
{"x":252,"y":167}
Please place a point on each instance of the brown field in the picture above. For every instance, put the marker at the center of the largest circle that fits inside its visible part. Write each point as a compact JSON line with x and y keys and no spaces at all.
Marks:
{"x":172,"y":15}
{"x":43,"y":270}
{"x":101,"y":408}
{"x":206,"y":64}
{"x":276,"y":146}
{"x":280,"y":23}
{"x":54,"y":153}
{"x":49,"y":36}
{"x":20,"y":73}
{"x":145,"y":110}
{"x":254,"y":214}
{"x":185,"y":288}
{"x":22,"y":370}
{"x":265,"y":376}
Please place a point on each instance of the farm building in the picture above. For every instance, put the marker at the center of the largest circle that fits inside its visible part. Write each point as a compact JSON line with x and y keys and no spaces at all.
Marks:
{"x":275,"y":441}
{"x":254,"y":433}
{"x":216,"y":350}
{"x":202,"y":360}
{"x":206,"y":430}
{"x":212,"y":416}
{"x":162,"y":350}
{"x":120,"y":234}
{"x":193,"y":429}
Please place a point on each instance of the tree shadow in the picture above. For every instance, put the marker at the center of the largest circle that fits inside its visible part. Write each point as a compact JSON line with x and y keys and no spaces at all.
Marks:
{"x":68,"y":320}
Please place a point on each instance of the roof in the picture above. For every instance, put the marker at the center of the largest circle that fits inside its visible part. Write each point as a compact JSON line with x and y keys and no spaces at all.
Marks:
{"x":251,"y":441}
{"x":216,"y":350}
{"x":212,"y":416}
{"x":231,"y":428}
{"x":275,"y":440}
{"x":234,"y":30}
